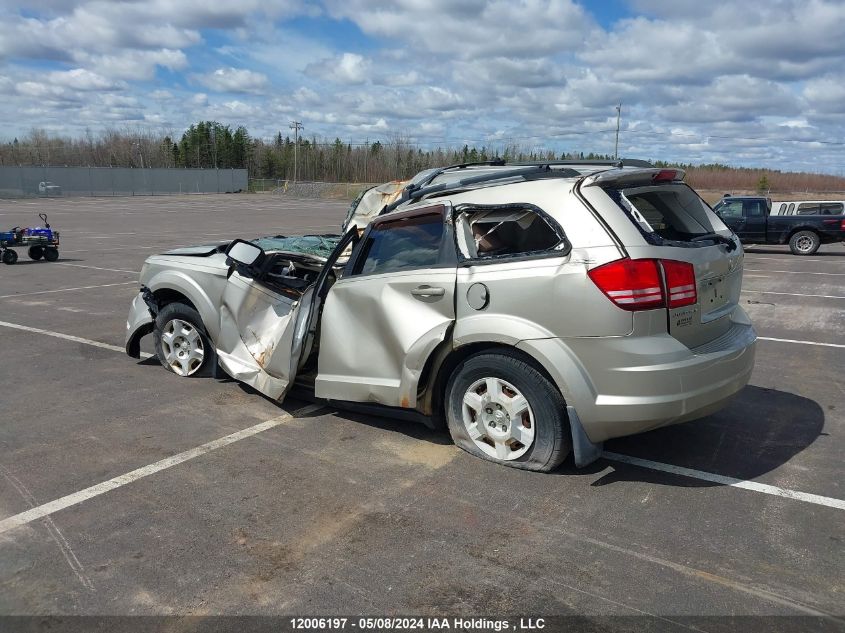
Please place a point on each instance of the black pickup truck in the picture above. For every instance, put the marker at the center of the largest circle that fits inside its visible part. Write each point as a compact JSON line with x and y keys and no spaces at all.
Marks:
{"x":749,"y":217}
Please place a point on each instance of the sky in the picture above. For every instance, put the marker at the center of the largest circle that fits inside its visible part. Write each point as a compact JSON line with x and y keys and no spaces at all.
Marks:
{"x":754,"y":83}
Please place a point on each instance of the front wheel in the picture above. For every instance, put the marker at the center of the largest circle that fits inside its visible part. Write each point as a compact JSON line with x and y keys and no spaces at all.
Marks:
{"x":804,"y":243}
{"x":35,"y":253}
{"x":500,"y":408}
{"x":51,"y":253}
{"x":181,"y":342}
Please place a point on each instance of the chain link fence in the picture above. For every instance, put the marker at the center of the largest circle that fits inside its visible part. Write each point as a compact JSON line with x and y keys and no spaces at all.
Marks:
{"x":308,"y":189}
{"x":51,"y":182}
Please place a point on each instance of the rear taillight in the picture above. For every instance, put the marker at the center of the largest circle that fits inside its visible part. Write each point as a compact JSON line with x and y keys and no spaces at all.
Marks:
{"x":644,"y":284}
{"x":842,"y":226}
{"x":632,"y":284}
{"x":680,"y":283}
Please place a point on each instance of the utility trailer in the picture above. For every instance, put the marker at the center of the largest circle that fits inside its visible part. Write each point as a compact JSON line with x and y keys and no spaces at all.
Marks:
{"x":40,"y":242}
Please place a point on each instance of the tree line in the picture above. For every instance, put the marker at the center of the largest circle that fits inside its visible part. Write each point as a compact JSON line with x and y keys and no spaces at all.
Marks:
{"x":210,"y":144}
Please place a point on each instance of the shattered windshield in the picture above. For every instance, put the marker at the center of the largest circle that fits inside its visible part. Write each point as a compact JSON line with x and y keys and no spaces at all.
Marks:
{"x":316,"y":245}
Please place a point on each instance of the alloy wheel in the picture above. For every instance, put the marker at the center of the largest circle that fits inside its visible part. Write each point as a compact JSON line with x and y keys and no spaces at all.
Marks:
{"x":498,"y":419}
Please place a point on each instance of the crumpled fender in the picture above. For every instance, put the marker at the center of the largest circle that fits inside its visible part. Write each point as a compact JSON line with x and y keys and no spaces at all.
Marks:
{"x":139,"y":323}
{"x":184,"y":284}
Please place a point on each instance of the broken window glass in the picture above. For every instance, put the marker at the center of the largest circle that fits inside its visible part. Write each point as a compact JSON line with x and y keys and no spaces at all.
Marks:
{"x":317,"y":245}
{"x":509,"y":231}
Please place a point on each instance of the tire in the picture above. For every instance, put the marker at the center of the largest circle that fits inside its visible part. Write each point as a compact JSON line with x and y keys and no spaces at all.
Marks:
{"x":35,"y":252}
{"x":51,"y":253}
{"x":804,"y":243}
{"x":543,"y":419}
{"x":178,"y":334}
{"x":10,"y":257}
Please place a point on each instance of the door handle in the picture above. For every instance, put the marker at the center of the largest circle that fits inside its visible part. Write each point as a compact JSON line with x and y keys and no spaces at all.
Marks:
{"x":428,"y":291}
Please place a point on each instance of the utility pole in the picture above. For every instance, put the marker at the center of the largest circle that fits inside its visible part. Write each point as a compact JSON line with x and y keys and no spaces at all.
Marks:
{"x":295,"y":126}
{"x":140,"y":153}
{"x":618,"y":116}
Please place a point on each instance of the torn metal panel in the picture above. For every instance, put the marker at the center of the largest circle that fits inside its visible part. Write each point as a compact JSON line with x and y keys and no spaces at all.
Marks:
{"x":372,"y":202}
{"x":256,"y":336}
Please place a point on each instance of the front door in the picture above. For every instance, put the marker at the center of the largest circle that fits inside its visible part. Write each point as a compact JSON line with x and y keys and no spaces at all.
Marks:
{"x":754,"y":213}
{"x":394,"y":304}
{"x":266,"y":323}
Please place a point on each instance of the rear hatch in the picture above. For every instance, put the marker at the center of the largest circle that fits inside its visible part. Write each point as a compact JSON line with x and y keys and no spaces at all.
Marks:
{"x":698,"y":259}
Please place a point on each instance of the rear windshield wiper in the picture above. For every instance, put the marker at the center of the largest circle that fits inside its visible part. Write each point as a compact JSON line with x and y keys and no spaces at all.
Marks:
{"x":715,"y":237}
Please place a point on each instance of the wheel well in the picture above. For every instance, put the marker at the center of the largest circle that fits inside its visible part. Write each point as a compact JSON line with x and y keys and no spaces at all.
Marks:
{"x":442,"y":363}
{"x":798,"y":229}
{"x":166,"y":296}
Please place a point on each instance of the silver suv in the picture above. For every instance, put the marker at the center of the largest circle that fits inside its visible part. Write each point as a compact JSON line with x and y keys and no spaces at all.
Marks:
{"x":535,"y":310}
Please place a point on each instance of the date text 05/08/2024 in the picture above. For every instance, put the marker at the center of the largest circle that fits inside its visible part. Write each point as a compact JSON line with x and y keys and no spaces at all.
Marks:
{"x":415,"y":624}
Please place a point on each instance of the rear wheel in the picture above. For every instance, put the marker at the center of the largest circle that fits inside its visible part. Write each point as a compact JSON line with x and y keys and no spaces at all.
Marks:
{"x":51,"y":253}
{"x":9,"y":257}
{"x":804,"y":243}
{"x":500,"y":408}
{"x":35,"y":252}
{"x":181,"y":342}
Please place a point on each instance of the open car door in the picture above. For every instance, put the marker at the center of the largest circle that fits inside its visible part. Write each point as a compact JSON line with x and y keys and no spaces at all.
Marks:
{"x":269,"y":310}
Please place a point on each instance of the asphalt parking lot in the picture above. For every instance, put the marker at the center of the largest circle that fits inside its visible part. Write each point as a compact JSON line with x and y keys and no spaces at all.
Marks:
{"x":322,"y":511}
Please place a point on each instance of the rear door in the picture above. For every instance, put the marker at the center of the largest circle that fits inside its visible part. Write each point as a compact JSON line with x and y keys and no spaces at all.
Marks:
{"x":394,"y":304}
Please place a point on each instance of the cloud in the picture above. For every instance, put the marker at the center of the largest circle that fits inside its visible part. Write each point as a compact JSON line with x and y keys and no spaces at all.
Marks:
{"x":695,"y":81}
{"x":472,"y":27}
{"x":82,"y":79}
{"x":348,"y":69}
{"x":137,"y":65}
{"x":233,"y":80}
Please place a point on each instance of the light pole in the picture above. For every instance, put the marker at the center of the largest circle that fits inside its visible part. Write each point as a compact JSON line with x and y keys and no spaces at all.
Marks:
{"x":618,"y":116}
{"x":295,"y":126}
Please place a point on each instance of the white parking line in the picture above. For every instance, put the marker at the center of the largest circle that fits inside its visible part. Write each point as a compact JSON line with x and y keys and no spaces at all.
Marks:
{"x":46,"y":292}
{"x":788,"y":294}
{"x":68,"y":337}
{"x":113,"y":270}
{"x":830,"y":502}
{"x":793,"y":272}
{"x":791,"y":259}
{"x":117,"y":248}
{"x":789,"y":340}
{"x":75,"y":498}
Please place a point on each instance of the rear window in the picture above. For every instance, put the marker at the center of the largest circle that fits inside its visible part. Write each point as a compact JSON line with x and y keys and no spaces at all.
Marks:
{"x":511,"y":230}
{"x":832,"y":208}
{"x":672,"y":214}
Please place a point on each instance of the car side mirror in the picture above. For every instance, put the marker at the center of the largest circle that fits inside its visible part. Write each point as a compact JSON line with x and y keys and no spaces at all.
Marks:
{"x":245,"y":253}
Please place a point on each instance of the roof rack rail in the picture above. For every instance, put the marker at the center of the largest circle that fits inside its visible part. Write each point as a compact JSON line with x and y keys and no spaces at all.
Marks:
{"x":527,"y":172}
{"x":618,"y":163}
{"x":496,"y":162}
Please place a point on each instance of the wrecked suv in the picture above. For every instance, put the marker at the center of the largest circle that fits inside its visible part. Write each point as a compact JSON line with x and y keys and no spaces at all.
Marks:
{"x":534,"y":310}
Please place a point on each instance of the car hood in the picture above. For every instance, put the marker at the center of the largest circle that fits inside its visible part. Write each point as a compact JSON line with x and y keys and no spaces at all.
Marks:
{"x":204,"y":250}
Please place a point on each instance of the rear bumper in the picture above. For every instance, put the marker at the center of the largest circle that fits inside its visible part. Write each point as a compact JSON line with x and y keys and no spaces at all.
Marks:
{"x":139,"y":323}
{"x":625,"y":385}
